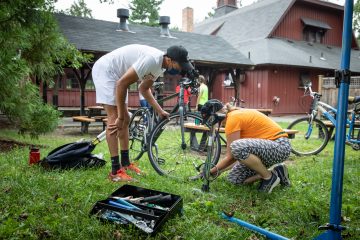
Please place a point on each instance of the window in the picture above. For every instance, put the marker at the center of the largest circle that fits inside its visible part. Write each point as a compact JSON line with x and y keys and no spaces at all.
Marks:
{"x":314,"y":30}
{"x":89,"y":84}
{"x":313,"y":34}
{"x":304,"y":79}
{"x":71,"y":81}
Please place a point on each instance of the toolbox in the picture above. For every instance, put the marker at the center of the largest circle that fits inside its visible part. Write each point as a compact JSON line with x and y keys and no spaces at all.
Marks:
{"x":147,"y":209}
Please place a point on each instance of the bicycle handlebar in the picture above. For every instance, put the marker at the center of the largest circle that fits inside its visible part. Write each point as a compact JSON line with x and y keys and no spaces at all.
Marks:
{"x":313,"y":94}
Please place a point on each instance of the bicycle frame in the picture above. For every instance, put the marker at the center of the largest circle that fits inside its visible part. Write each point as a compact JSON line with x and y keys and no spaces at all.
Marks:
{"x":179,"y":107}
{"x":326,"y":111}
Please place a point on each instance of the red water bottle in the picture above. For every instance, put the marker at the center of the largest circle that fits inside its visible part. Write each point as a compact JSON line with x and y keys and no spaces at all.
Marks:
{"x":34,"y":156}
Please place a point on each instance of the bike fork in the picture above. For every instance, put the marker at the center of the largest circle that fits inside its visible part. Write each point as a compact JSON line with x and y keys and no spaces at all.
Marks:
{"x":310,"y":128}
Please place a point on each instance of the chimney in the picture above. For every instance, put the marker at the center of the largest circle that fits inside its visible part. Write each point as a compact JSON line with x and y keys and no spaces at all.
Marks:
{"x":187,"y":19}
{"x":123,"y":14}
{"x":164,"y":22}
{"x":225,"y":7}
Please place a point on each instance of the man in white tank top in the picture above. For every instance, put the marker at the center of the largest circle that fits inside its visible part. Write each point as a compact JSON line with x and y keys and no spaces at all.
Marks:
{"x":112,"y":74}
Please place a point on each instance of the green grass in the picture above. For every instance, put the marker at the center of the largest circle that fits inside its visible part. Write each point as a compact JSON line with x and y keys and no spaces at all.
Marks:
{"x":35,"y":203}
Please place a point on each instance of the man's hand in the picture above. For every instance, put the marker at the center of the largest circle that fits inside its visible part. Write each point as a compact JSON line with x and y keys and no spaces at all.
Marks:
{"x":163,"y":114}
{"x":119,"y":124}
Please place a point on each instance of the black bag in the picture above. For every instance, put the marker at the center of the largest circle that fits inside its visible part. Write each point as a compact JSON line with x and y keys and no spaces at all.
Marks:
{"x":72,"y":155}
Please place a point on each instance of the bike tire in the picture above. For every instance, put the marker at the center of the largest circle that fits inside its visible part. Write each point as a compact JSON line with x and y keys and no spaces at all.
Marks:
{"x":312,"y":145}
{"x":138,"y":124}
{"x":169,"y":157}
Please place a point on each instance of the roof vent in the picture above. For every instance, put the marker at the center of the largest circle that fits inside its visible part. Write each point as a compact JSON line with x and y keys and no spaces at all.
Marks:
{"x":164,"y":22}
{"x":322,"y":57}
{"x":123,"y":14}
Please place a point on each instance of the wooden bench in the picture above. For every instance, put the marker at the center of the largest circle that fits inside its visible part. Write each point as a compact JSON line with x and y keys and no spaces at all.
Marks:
{"x":85,"y":121}
{"x":193,"y":129}
{"x":331,"y":126}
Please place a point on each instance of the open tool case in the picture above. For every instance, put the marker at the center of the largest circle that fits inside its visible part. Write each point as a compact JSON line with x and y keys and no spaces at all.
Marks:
{"x":147,"y":215}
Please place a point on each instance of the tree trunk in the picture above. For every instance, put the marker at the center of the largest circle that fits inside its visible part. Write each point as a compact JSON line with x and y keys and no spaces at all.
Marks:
{"x":82,"y":78}
{"x":55,"y":97}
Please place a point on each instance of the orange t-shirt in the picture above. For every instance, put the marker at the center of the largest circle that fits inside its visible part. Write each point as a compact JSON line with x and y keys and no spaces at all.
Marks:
{"x":253,"y":124}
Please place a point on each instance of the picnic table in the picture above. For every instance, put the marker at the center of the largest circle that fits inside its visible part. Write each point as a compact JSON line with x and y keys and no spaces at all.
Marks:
{"x":94,"y":114}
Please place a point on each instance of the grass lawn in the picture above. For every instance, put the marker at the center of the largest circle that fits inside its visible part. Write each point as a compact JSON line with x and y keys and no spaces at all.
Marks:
{"x":36,"y":203}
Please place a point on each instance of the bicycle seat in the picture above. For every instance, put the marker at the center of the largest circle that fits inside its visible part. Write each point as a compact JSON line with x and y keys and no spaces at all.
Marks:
{"x":220,"y":116}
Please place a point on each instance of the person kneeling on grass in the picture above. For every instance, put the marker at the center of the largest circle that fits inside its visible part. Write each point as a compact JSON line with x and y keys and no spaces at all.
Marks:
{"x":254,"y":144}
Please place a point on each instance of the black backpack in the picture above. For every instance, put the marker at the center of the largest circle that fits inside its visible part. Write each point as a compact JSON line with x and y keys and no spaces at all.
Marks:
{"x":72,"y":155}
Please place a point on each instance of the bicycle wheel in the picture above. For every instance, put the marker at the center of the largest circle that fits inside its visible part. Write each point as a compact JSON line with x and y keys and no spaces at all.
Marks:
{"x":317,"y":140}
{"x":170,"y":157}
{"x":138,"y":124}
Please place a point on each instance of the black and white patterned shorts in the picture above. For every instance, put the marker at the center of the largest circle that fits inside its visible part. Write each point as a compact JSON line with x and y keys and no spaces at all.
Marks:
{"x":269,"y":151}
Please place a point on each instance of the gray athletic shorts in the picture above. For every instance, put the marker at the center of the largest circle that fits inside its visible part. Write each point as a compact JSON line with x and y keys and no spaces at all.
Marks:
{"x":269,"y":151}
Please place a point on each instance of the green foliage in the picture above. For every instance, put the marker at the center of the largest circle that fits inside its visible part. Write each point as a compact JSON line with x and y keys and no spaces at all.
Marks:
{"x":145,"y":12}
{"x":79,"y":9}
{"x":38,"y":204}
{"x":356,"y":18}
{"x":32,"y":48}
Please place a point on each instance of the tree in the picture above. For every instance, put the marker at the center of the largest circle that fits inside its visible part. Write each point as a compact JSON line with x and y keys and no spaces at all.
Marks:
{"x":356,"y":18}
{"x":145,"y":12}
{"x":79,"y":9}
{"x":32,"y":48}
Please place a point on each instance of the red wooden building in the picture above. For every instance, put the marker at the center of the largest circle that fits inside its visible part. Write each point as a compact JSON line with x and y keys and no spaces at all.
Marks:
{"x":289,"y":41}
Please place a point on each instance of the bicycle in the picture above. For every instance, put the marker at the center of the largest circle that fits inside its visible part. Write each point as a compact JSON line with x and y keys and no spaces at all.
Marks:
{"x":313,"y":135}
{"x":167,"y":141}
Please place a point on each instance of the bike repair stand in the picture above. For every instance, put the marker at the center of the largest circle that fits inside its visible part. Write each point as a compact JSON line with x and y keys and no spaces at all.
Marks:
{"x":215,"y":118}
{"x":333,"y":229}
{"x":207,"y":165}
{"x":268,"y":234}
{"x":342,"y":79}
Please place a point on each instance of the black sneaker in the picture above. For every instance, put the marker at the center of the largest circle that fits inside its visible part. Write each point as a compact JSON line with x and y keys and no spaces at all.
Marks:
{"x":282,"y":172}
{"x":268,"y":185}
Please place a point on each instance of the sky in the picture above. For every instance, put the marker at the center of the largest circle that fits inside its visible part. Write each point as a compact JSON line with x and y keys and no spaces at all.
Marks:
{"x":172,"y":8}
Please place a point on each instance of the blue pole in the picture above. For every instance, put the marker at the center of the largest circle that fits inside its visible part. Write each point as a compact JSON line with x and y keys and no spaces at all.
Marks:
{"x":334,"y":228}
{"x":269,"y":235}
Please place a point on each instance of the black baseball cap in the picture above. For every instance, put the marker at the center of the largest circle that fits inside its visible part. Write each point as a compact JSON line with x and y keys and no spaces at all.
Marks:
{"x":180,"y":54}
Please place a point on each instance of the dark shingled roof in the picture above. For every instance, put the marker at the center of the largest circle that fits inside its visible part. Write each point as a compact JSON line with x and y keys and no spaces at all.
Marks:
{"x":248,"y":30}
{"x":97,"y":35}
{"x":252,"y":22}
{"x":297,"y":53}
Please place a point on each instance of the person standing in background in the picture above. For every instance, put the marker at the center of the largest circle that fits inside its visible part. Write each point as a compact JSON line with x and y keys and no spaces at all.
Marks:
{"x":187,"y":95}
{"x":203,"y":96}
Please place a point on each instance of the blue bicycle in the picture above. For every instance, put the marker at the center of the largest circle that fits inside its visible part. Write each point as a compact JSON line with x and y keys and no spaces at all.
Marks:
{"x":313,"y":135}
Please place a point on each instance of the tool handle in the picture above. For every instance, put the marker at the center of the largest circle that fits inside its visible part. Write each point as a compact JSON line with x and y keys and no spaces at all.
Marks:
{"x":119,"y":205}
{"x":157,"y":199}
{"x":151,"y":198}
{"x":126,"y":203}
